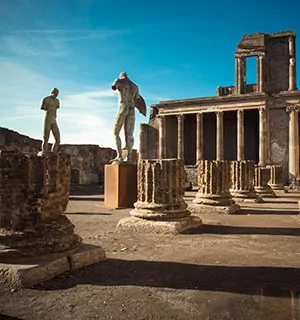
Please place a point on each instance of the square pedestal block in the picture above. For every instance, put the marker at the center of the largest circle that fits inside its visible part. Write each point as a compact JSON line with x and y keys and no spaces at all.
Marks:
{"x":120,"y":185}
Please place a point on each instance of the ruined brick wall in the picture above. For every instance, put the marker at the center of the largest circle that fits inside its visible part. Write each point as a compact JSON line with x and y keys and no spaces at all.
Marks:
{"x":12,"y":140}
{"x":278,"y":64}
{"x":87,"y":161}
{"x":279,"y":138}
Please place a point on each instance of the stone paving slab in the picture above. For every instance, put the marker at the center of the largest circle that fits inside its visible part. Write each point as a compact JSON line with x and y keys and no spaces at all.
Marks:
{"x":27,"y":274}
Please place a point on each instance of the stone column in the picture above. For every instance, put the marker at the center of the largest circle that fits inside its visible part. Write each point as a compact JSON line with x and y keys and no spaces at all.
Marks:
{"x":214,"y":183}
{"x":262,"y":136}
{"x":34,"y":193}
{"x":180,"y":135}
{"x":240,"y":135}
{"x":261,"y":180}
{"x":199,"y":138}
{"x":276,"y":180}
{"x":292,"y":65}
{"x":160,"y":207}
{"x":293,"y":143}
{"x":240,"y":66}
{"x":144,"y":141}
{"x":260,"y":73}
{"x":242,"y":181}
{"x":220,"y":136}
{"x":162,"y":138}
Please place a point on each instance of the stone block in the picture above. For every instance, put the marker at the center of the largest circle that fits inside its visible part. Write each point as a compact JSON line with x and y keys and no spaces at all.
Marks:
{"x":137,"y":225}
{"x":27,"y":273}
{"x":120,"y":187}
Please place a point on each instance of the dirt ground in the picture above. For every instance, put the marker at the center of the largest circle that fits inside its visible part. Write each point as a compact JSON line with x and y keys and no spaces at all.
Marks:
{"x":243,"y":266}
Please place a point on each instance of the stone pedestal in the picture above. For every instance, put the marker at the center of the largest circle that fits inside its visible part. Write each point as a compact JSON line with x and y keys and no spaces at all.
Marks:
{"x":276,"y":178}
{"x":160,"y":207}
{"x":261,"y":180}
{"x":134,"y":155}
{"x":34,"y":192}
{"x":214,"y":183}
{"x":120,"y":185}
{"x":242,"y":181}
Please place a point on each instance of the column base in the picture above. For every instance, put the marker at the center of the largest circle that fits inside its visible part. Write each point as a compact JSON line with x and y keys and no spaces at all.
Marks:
{"x":278,"y":187}
{"x":159,"y":211}
{"x":204,"y":208}
{"x":265,"y":192}
{"x":138,"y":225}
{"x":248,"y":200}
{"x":213,"y":199}
{"x":245,"y":196}
{"x":39,"y":240}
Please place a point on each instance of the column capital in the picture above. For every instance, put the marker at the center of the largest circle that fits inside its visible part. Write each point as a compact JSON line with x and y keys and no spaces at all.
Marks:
{"x":180,"y":116}
{"x":262,"y":110}
{"x":240,"y":111}
{"x":219,"y":113}
{"x":292,"y":108}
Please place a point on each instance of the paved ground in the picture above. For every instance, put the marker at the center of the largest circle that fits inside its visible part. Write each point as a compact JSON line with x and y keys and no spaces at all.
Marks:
{"x":244,"y":266}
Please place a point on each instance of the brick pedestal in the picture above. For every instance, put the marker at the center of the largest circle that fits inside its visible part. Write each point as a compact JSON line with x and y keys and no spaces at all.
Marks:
{"x":160,"y":207}
{"x":120,"y":185}
{"x":214,"y":183}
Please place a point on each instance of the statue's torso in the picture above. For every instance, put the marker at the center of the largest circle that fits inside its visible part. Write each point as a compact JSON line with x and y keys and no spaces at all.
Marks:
{"x":50,"y":105}
{"x":127,"y":91}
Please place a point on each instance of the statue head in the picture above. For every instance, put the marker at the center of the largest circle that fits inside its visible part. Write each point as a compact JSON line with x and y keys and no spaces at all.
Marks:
{"x":54,"y":92}
{"x":123,"y":75}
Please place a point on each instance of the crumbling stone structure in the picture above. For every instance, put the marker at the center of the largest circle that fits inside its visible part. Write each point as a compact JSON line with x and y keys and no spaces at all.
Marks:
{"x":258,"y":122}
{"x":160,"y":207}
{"x":242,"y":181}
{"x":214,"y":183}
{"x":261,"y":182}
{"x":276,"y":178}
{"x":34,"y":192}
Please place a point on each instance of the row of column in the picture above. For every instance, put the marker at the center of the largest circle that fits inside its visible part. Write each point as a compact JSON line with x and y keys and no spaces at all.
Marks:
{"x":219,"y":138}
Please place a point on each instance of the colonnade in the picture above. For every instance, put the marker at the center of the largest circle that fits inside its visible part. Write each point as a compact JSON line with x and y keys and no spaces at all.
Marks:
{"x":219,"y":136}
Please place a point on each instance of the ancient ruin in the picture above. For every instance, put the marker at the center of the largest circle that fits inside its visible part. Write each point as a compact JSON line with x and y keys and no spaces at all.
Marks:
{"x":214,"y":183}
{"x":87,"y":161}
{"x":242,"y":181}
{"x":257,"y":122}
{"x":160,"y":207}
{"x":37,"y":242}
{"x":34,"y":194}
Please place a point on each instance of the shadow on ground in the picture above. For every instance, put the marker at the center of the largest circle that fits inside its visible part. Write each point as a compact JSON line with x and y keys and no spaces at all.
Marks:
{"x":267,"y":211}
{"x":266,"y":281}
{"x":86,"y":190}
{"x":72,"y":198}
{"x":217,"y":229}
{"x":89,"y":213}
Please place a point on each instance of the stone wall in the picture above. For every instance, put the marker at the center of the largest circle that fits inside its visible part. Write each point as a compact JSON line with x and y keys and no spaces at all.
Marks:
{"x":87,"y":161}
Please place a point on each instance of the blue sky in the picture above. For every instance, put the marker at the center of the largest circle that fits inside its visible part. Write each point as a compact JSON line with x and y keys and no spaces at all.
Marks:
{"x":171,"y":49}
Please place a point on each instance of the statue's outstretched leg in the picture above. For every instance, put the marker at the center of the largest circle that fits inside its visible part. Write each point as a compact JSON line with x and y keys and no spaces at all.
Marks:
{"x":46,"y":135}
{"x":129,"y":129}
{"x":118,"y":123}
{"x":56,"y":134}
